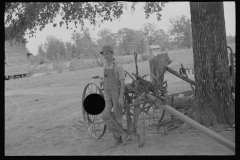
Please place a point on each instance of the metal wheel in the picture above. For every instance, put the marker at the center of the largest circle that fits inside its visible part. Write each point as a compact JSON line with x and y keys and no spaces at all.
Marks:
{"x":152,"y":113}
{"x":94,"y":123}
{"x":128,"y":101}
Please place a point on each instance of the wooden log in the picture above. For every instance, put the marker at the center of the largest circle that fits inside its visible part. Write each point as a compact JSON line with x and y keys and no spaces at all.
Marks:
{"x":180,"y":76}
{"x":135,"y":60}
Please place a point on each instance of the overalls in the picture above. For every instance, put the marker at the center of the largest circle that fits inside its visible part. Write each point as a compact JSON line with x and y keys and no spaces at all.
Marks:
{"x":111,"y":95}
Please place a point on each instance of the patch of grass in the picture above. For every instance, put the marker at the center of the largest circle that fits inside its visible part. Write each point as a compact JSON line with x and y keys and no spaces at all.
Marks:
{"x":184,"y":56}
{"x":124,"y":59}
{"x":77,"y":64}
{"x":128,"y":59}
{"x":41,"y":69}
{"x":74,"y":65}
{"x":58,"y":65}
{"x":33,"y":70}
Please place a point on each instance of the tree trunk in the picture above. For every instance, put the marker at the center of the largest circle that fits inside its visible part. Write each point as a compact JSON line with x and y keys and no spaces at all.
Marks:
{"x":214,"y":102}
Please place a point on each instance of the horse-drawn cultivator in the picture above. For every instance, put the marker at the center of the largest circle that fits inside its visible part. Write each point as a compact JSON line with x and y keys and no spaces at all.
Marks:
{"x":147,"y":101}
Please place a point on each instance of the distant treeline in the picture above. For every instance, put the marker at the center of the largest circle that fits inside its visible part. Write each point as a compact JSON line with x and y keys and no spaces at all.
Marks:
{"x":124,"y":42}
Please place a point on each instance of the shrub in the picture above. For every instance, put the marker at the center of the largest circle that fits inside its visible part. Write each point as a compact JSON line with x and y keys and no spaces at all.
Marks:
{"x":74,"y":64}
{"x":33,"y":70}
{"x":47,"y":61}
{"x":48,"y":70}
{"x":58,"y":65}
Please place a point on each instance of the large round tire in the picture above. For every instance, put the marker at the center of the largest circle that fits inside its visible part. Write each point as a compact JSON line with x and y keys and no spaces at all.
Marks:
{"x":94,"y":123}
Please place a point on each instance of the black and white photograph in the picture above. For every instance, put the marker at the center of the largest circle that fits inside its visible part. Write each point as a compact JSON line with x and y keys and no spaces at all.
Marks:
{"x":119,"y":78}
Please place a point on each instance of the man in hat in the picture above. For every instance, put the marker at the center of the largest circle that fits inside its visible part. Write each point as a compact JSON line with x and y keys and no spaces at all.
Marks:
{"x":114,"y":86}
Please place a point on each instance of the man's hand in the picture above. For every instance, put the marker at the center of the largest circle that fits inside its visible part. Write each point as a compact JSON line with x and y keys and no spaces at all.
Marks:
{"x":121,"y":101}
{"x":101,"y":82}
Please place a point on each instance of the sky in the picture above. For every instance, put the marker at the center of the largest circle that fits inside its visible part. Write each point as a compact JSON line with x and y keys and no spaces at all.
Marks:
{"x":133,"y":20}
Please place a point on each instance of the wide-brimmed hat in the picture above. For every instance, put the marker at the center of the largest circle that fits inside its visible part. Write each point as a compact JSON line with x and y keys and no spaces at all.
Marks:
{"x":106,"y":48}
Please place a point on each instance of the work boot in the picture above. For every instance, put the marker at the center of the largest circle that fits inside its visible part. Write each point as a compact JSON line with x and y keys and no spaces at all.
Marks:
{"x":115,"y":142}
{"x":124,"y":138}
{"x":119,"y":139}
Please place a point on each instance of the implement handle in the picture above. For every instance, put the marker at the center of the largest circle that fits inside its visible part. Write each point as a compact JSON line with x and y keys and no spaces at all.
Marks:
{"x":220,"y":139}
{"x":135,"y":59}
{"x":180,"y":76}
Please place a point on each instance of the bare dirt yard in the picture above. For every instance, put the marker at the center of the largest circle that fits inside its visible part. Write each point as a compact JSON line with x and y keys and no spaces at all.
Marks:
{"x":43,"y":117}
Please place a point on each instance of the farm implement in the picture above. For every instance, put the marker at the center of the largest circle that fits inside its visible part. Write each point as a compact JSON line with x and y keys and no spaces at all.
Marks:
{"x":147,"y":100}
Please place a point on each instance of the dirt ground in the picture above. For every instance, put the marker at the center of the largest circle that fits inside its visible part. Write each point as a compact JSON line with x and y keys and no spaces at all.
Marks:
{"x":43,"y":117}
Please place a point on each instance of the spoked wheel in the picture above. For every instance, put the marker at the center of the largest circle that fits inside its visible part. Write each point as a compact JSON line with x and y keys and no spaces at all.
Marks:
{"x":152,"y":113}
{"x":128,"y":101}
{"x":94,"y":123}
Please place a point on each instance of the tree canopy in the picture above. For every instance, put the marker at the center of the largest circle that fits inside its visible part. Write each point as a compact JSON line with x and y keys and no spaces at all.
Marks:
{"x":125,"y":41}
{"x":26,"y":18}
{"x":181,"y":29}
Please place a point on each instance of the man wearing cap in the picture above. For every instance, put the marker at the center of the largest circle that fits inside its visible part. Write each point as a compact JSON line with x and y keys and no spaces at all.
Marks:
{"x":114,"y":86}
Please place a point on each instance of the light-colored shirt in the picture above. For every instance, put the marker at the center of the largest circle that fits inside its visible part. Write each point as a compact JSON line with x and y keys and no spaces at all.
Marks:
{"x":118,"y":68}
